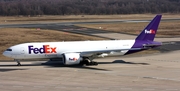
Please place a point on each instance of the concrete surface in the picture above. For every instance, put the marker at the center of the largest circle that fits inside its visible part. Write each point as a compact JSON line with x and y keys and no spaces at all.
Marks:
{"x":152,"y":72}
{"x":155,"y":72}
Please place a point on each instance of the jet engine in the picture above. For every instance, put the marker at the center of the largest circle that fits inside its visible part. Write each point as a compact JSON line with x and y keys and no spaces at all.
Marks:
{"x":71,"y":58}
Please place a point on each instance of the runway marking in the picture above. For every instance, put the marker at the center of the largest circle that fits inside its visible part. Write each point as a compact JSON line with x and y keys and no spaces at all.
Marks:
{"x":57,"y":87}
{"x":126,"y":88}
{"x":60,"y":87}
{"x":105,"y":88}
{"x":160,"y":78}
{"x":38,"y":86}
{"x":164,"y":60}
{"x":149,"y":89}
{"x":171,"y":89}
{"x":18,"y":86}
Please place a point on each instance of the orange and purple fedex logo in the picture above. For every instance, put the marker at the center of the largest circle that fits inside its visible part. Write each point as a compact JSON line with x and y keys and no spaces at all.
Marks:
{"x":73,"y":59}
{"x":151,"y":31}
{"x":44,"y":49}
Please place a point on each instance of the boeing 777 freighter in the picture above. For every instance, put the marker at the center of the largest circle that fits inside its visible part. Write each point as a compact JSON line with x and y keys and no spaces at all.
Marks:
{"x":76,"y":52}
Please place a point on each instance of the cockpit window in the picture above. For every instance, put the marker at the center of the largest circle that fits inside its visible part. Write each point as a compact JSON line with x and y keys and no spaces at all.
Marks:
{"x":8,"y":49}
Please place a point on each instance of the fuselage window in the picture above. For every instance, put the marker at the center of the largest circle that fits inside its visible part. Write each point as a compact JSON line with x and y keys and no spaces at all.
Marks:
{"x":9,"y":50}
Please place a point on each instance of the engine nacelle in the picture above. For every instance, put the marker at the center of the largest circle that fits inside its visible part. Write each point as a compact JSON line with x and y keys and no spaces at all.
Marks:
{"x":71,"y":58}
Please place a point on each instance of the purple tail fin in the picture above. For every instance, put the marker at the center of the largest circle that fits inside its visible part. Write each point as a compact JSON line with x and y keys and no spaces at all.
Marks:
{"x":150,"y":31}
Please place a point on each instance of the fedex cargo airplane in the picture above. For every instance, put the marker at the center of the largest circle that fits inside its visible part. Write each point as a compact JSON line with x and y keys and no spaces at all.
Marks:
{"x":83,"y":52}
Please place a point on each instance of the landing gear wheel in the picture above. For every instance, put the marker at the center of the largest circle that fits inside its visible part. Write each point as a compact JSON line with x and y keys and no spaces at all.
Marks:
{"x":89,"y":62}
{"x":18,"y":62}
{"x":95,"y":63}
{"x":84,"y":62}
{"x":92,"y":63}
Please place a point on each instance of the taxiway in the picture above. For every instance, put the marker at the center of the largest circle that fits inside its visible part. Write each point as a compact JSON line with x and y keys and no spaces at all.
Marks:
{"x":152,"y":72}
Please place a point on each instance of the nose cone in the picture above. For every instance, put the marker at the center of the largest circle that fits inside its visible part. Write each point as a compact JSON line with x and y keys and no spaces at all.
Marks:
{"x":7,"y":54}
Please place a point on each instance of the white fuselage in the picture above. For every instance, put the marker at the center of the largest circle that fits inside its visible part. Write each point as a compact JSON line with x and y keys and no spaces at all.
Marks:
{"x":56,"y":49}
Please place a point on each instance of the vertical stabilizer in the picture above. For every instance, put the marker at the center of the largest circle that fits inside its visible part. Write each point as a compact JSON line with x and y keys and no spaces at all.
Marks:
{"x":150,"y":31}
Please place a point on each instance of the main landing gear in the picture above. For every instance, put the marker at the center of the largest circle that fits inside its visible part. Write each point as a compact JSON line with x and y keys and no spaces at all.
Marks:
{"x":18,"y":62}
{"x":88,"y":62}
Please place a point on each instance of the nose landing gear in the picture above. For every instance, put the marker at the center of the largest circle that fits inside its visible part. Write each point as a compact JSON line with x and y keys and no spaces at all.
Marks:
{"x":18,"y":62}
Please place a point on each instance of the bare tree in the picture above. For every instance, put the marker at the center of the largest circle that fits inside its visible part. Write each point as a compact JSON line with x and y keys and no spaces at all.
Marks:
{"x":77,"y":7}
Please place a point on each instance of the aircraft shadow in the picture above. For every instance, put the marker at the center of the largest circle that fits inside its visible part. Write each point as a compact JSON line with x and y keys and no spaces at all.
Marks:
{"x":52,"y":64}
{"x":122,"y":62}
{"x":11,"y":69}
{"x":48,"y":64}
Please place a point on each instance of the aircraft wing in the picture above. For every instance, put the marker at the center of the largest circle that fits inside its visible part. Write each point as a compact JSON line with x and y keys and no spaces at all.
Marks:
{"x":99,"y":52}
